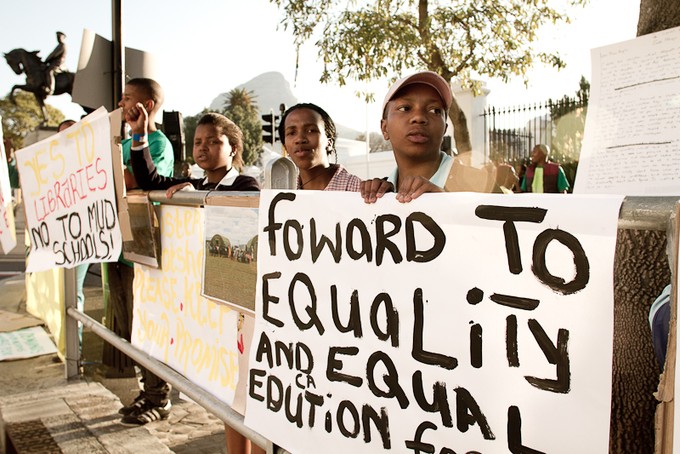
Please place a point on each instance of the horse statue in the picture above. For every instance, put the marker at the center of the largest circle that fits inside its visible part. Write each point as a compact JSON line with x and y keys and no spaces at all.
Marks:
{"x":22,"y":61}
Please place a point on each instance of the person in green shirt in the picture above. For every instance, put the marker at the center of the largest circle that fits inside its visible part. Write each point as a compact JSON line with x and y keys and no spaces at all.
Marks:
{"x":150,"y":94}
{"x":153,"y":402}
{"x":543,"y":176}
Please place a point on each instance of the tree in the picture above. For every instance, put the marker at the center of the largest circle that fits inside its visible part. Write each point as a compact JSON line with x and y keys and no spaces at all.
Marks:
{"x":640,"y":252}
{"x":459,"y":39}
{"x":242,"y":110}
{"x":657,"y":15}
{"x":23,"y":117}
{"x":568,"y":124}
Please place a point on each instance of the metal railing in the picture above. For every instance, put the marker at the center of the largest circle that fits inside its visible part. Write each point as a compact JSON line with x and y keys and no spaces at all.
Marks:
{"x":514,"y":131}
{"x":637,"y":213}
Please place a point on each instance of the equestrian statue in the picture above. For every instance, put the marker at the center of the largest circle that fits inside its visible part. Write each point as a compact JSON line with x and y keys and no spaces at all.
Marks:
{"x":43,"y":78}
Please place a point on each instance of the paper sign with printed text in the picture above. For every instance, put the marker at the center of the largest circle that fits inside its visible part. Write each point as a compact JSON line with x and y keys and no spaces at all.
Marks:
{"x":631,"y":141}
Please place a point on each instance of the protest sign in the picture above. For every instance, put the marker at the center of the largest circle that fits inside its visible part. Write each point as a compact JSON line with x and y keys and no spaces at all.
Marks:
{"x":631,"y":137}
{"x":8,"y":237}
{"x":25,"y":343}
{"x":459,"y":322}
{"x":172,"y":321}
{"x":67,"y":182}
{"x":230,"y":256}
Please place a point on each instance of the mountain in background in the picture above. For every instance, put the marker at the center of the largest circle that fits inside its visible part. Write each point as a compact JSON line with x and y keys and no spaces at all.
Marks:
{"x":270,"y":90}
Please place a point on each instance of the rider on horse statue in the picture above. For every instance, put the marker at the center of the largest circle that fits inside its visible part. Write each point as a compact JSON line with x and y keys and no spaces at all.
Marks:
{"x":43,"y":78}
{"x":54,"y":62}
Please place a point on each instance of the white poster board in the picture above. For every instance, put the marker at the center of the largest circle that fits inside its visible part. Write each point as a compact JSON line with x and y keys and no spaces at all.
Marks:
{"x":8,"y":238}
{"x":172,"y":322}
{"x":631,"y":141}
{"x":25,"y":343}
{"x":459,"y":322}
{"x":69,"y":197}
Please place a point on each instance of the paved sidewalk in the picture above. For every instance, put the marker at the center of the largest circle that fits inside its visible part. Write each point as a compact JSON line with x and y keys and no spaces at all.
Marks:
{"x":81,"y":416}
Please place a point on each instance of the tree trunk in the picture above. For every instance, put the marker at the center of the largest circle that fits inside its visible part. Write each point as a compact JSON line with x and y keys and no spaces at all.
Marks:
{"x":657,"y":15}
{"x":461,"y":134}
{"x":641,"y":271}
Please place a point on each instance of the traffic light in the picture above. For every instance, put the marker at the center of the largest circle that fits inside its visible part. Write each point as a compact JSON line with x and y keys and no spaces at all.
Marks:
{"x":269,"y":128}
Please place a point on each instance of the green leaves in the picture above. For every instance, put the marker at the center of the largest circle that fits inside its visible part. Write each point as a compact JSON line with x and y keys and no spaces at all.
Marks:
{"x":461,"y":39}
{"x":241,"y":108}
{"x":23,"y":117}
{"x":365,"y":40}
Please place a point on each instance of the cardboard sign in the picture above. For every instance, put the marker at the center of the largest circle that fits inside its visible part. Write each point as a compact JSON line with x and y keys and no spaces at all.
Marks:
{"x":172,"y":321}
{"x":458,"y":322}
{"x":8,"y":238}
{"x":25,"y":343}
{"x":67,"y":182}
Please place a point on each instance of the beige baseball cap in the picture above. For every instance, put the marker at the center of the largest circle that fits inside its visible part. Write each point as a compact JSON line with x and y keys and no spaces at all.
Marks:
{"x":430,"y":78}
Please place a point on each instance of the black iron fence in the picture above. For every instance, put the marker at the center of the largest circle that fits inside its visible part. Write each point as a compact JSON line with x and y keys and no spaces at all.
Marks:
{"x":514,"y":131}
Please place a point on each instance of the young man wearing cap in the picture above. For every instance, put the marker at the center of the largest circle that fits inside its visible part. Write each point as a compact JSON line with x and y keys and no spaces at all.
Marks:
{"x":414,"y":121}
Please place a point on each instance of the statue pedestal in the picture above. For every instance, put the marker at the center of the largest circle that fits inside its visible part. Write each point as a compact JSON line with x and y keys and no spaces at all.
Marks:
{"x":38,"y":134}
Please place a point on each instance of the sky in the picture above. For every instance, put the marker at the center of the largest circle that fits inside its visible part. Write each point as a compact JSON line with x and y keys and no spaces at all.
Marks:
{"x":207,"y":47}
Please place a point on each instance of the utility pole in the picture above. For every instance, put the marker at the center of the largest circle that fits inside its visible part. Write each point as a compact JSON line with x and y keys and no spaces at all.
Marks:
{"x":118,"y":63}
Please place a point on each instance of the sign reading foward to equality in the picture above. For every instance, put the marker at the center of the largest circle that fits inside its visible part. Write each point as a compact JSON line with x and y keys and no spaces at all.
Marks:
{"x":457,"y":323}
{"x":67,"y":182}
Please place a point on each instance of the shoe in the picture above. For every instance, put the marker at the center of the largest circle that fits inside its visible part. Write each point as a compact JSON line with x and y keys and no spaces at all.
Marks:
{"x":148,"y":412}
{"x":136,"y":404}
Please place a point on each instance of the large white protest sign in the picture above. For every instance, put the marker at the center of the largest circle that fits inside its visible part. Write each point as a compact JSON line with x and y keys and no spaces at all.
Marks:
{"x":8,"y":237}
{"x":455,"y":323}
{"x":172,"y":321}
{"x":631,"y":142}
{"x":67,"y":182}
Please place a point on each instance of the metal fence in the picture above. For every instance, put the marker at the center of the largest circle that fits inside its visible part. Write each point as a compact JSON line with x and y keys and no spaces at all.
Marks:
{"x":637,"y":213}
{"x":514,"y":131}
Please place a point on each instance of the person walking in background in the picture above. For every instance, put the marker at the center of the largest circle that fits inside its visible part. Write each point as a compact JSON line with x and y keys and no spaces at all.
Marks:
{"x":309,"y":136}
{"x":153,"y":402}
{"x":543,"y":176}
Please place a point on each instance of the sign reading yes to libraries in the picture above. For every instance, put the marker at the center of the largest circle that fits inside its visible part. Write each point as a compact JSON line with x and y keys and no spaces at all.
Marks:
{"x":67,"y":181}
{"x":458,"y":322}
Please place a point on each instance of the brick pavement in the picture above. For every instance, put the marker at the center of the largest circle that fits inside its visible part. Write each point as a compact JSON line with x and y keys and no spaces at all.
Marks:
{"x":81,"y":416}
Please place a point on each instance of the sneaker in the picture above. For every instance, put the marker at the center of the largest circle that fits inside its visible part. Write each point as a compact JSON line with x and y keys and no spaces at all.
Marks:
{"x":147,"y":413}
{"x":136,"y":404}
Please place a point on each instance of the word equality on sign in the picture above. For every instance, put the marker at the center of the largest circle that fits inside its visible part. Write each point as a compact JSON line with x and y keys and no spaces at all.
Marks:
{"x":450,"y":324}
